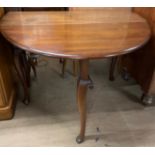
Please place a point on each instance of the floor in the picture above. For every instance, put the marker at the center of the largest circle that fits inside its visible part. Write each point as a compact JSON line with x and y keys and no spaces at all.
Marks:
{"x":115,"y":115}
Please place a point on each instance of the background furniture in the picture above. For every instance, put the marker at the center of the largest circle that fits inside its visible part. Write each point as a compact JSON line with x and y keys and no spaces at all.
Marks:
{"x":23,"y":60}
{"x":141,"y":65}
{"x":114,"y":60}
{"x":7,"y":81}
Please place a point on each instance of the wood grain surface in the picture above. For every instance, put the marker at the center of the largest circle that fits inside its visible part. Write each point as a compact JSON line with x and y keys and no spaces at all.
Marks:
{"x":76,"y":34}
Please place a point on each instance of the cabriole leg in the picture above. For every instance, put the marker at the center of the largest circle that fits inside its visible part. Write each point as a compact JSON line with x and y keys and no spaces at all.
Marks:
{"x":82,"y":84}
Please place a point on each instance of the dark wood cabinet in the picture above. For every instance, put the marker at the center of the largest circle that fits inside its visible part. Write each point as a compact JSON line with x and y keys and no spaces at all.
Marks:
{"x":141,"y":64}
{"x":7,"y":84}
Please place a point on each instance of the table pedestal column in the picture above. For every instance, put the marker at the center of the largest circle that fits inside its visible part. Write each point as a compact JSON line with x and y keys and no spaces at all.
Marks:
{"x":82,"y":84}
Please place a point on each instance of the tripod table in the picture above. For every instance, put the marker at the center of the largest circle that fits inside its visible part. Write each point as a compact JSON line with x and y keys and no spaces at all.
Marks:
{"x":78,"y":35}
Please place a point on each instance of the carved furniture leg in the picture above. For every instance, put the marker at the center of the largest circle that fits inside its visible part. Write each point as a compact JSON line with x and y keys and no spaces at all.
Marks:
{"x":82,"y":84}
{"x":112,"y":68}
{"x":19,"y":66}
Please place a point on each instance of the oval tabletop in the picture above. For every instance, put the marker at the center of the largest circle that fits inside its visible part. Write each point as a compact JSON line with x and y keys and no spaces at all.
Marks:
{"x":76,"y":34}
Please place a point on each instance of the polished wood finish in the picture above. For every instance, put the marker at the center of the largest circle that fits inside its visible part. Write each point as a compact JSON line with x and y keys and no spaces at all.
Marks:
{"x":7,"y":86}
{"x":33,"y":57}
{"x":82,"y":85}
{"x":1,"y":12}
{"x":77,"y":35}
{"x":141,"y":64}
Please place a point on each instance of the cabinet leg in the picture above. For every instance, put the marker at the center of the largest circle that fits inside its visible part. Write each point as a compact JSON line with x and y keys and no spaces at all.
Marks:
{"x":112,"y":69}
{"x":147,"y":99}
{"x":82,"y":84}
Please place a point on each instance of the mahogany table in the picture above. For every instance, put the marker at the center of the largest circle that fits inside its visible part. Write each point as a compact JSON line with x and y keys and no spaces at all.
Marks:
{"x":79,"y":35}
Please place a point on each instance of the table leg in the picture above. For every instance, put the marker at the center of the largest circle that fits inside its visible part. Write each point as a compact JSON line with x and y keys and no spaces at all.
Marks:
{"x":32,"y":61}
{"x":82,"y":84}
{"x":64,"y":62}
{"x":26,"y":67}
{"x":20,"y":68}
{"x":112,"y":68}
